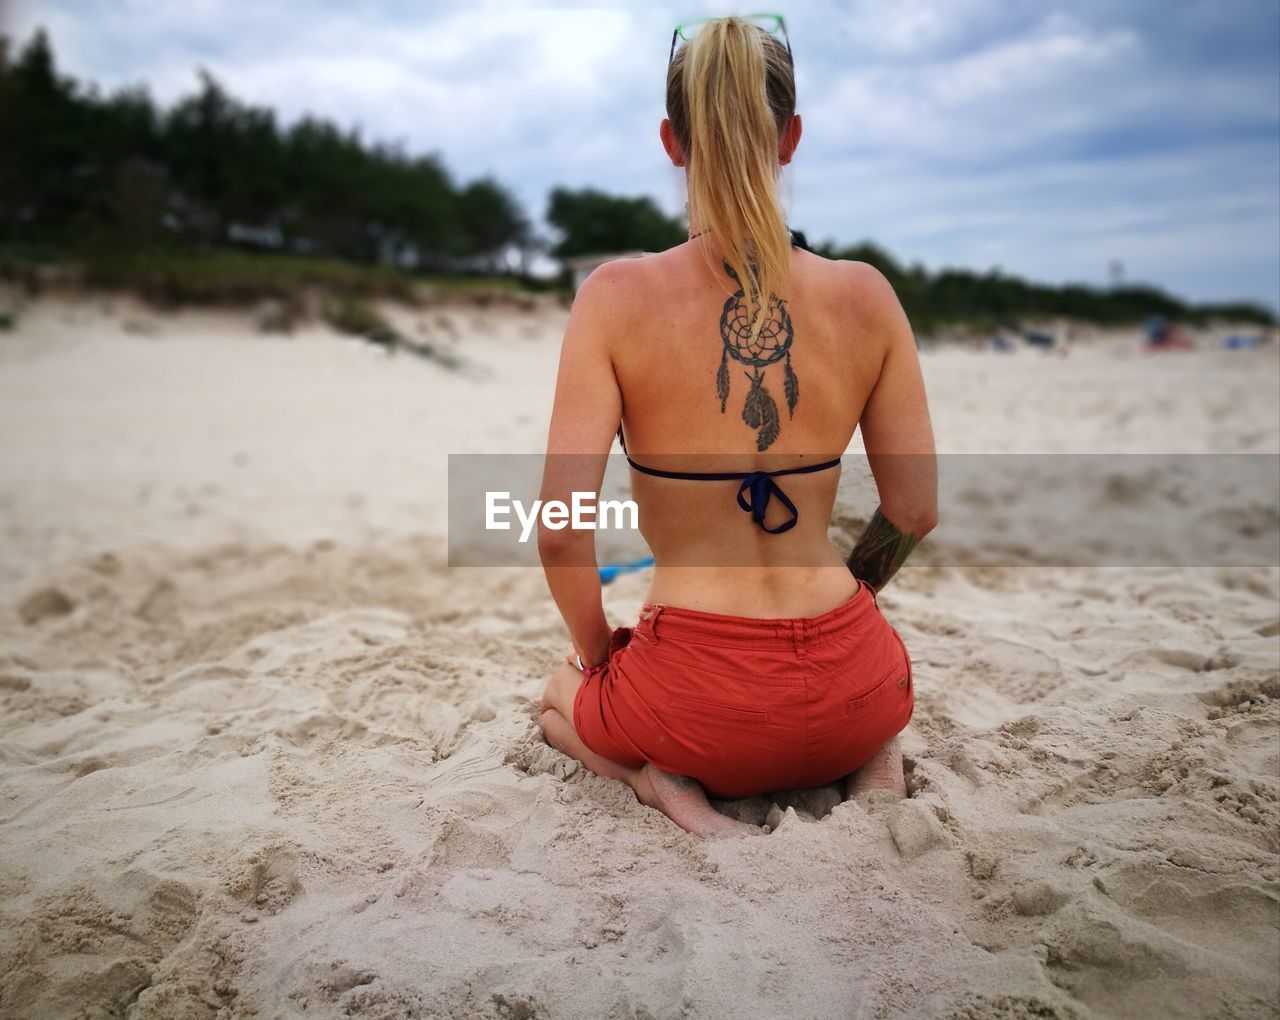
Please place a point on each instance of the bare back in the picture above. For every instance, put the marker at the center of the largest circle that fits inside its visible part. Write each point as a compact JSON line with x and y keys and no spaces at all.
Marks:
{"x":666,"y":362}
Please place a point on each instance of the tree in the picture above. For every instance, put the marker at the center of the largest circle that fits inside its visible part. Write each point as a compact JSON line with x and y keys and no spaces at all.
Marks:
{"x":40,"y":123}
{"x":595,"y":223}
{"x":491,"y":221}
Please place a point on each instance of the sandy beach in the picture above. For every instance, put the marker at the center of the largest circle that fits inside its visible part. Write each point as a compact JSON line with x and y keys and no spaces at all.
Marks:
{"x":264,"y":753}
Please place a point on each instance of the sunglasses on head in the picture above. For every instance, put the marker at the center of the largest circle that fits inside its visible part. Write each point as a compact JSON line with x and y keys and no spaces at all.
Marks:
{"x":771,"y":23}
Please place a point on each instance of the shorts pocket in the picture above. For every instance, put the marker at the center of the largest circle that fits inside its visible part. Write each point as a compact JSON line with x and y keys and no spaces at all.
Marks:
{"x":729,"y":713}
{"x":619,"y":644}
{"x":896,"y":679}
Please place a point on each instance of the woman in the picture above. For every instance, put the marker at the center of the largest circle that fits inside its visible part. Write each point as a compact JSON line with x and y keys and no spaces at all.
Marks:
{"x":738,"y":367}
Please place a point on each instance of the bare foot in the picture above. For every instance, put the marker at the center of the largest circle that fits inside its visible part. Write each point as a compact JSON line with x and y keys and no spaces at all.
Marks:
{"x":880,"y":778}
{"x":683,"y":800}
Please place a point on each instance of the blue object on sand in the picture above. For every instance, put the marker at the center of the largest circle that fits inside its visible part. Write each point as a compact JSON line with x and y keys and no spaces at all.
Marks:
{"x":612,"y":570}
{"x":1241,"y":341}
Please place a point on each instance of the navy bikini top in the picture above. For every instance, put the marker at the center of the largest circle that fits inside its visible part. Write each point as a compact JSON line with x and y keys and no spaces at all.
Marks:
{"x":757,"y":486}
{"x":755,"y":491}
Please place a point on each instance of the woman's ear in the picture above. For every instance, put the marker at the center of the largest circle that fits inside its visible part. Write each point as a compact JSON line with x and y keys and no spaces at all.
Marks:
{"x":789,"y":140}
{"x":670,"y":144}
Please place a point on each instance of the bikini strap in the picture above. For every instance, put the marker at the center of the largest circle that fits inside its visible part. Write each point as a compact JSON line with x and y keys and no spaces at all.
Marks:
{"x":725,"y":476}
{"x":692,"y":476}
{"x":757,"y":488}
{"x":807,"y":468}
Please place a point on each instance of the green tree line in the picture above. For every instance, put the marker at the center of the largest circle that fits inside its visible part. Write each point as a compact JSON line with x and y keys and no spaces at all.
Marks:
{"x":81,"y":172}
{"x":996,"y":300}
{"x":78,"y":168}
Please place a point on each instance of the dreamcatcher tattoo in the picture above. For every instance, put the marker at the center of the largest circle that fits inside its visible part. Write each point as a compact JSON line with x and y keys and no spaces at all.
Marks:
{"x":760,"y":411}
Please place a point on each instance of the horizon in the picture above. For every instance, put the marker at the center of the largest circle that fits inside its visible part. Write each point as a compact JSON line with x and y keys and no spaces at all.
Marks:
{"x":1185,"y":196}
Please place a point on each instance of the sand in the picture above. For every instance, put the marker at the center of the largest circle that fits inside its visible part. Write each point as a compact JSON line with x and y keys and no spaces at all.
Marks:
{"x":263,"y":753}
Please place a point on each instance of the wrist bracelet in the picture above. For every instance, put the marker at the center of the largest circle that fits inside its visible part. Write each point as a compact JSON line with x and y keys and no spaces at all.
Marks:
{"x":589,"y":671}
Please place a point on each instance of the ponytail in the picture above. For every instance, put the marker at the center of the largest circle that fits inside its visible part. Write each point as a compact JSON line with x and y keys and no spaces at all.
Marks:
{"x":730,"y":93}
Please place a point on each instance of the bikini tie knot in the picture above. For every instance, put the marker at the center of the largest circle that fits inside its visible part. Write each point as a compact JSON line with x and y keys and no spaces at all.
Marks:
{"x":754,"y":494}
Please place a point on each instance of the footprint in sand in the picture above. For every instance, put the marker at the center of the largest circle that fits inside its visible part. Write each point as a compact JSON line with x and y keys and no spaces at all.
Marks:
{"x":321,"y":727}
{"x":460,"y":842}
{"x":268,"y":882}
{"x":45,"y":604}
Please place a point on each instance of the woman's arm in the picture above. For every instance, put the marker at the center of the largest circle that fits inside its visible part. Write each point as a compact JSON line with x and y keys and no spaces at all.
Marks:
{"x":898,"y":438}
{"x":584,"y":419}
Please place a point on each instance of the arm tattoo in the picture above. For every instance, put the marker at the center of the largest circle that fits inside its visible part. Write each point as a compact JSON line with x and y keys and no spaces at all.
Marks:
{"x":773,"y":344}
{"x":880,"y":551}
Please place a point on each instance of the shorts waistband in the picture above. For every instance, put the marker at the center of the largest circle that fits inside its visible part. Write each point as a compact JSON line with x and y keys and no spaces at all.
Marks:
{"x":659,"y":622}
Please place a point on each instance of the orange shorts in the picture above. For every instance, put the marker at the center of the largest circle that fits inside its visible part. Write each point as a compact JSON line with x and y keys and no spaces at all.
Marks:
{"x":746,"y":705}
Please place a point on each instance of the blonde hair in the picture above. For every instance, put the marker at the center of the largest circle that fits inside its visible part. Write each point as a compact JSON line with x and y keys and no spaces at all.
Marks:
{"x":730,"y":93}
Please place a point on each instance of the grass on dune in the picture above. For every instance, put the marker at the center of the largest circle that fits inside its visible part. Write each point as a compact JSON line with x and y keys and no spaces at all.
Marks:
{"x":228,"y":277}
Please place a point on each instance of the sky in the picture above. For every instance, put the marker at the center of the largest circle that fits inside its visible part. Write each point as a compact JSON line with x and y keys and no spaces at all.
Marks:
{"x":1046,"y":139}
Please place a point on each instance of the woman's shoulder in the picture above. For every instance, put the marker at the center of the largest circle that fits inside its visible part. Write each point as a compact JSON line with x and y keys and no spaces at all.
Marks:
{"x":865,"y":291}
{"x":615,"y":280}
{"x":843,"y":277}
{"x":610,"y":293}
{"x":861,"y":278}
{"x":631,"y":284}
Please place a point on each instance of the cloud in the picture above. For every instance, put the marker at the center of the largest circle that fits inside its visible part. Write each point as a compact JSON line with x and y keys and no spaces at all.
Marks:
{"x":1047,"y":137}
